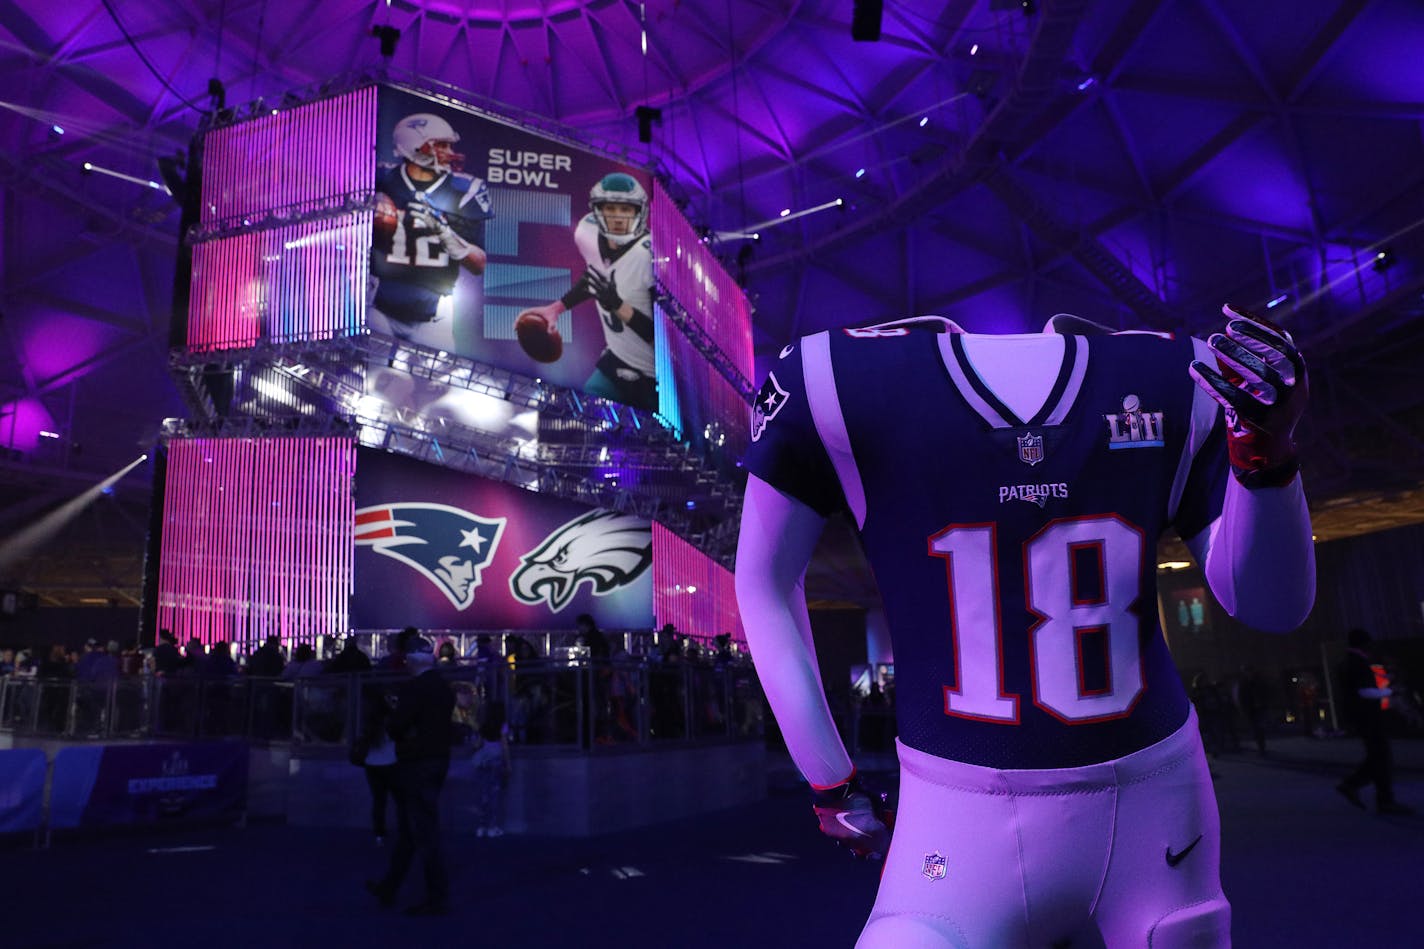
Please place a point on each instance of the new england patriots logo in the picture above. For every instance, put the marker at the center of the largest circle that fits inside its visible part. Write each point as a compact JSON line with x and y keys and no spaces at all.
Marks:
{"x":447,"y":545}
{"x":602,"y":548}
{"x":768,"y":402}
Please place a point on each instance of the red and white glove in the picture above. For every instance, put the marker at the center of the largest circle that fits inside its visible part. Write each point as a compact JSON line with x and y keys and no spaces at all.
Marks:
{"x":1263,"y":389}
{"x":854,"y":818}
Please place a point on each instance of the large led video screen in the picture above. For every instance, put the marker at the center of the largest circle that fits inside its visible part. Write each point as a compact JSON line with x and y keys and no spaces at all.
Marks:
{"x":521,"y":251}
{"x":440,"y":549}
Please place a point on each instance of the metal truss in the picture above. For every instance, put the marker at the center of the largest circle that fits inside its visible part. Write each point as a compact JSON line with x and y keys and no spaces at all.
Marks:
{"x":704,"y":344}
{"x":604,"y":453}
{"x":309,"y":209}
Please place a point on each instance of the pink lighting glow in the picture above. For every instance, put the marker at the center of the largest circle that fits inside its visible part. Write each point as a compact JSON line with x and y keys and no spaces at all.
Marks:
{"x":302,"y":282}
{"x":319,"y":150}
{"x":257,"y":539}
{"x":21,"y":422}
{"x":692,"y":591}
{"x":694,"y":276}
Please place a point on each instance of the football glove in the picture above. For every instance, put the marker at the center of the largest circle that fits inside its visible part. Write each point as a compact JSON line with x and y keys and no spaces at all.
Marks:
{"x":426,"y":218}
{"x":603,"y":290}
{"x":854,"y":818}
{"x":1262,"y":388}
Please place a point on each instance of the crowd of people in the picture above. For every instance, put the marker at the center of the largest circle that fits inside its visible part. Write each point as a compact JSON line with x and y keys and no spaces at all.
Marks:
{"x":589,"y":690}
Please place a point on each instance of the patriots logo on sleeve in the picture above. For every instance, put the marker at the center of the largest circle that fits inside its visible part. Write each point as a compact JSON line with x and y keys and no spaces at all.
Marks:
{"x":605,"y":549}
{"x":768,"y":402}
{"x":447,"y":545}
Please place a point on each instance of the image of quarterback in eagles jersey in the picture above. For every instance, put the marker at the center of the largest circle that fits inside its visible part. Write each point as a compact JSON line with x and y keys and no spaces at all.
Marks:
{"x":429,"y":224}
{"x":617,"y":252}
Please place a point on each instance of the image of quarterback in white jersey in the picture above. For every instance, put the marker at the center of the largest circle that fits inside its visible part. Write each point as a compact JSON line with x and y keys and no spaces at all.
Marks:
{"x":613,"y":241}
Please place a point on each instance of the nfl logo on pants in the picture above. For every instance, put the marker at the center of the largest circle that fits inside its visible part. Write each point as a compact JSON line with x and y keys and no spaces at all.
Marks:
{"x":934,"y":868}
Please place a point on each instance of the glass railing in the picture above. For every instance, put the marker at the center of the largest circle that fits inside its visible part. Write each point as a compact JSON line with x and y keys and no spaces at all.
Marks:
{"x":573,"y":704}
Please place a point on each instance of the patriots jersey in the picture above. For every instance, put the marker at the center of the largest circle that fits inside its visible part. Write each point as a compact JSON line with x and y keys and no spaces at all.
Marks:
{"x":1015,"y":556}
{"x":631,"y":267}
{"x":415,"y":271}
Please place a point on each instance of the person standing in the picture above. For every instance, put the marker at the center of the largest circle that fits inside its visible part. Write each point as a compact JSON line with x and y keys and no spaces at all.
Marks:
{"x":420,"y":724}
{"x":267,"y":660}
{"x":167,"y":660}
{"x":1365,"y":694}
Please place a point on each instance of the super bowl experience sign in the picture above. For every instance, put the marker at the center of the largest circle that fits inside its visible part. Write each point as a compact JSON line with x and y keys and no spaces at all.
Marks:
{"x":511,"y":248}
{"x":440,"y":549}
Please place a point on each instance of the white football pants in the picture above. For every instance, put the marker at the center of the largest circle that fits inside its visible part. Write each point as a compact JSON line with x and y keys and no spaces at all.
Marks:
{"x":1122,"y":854}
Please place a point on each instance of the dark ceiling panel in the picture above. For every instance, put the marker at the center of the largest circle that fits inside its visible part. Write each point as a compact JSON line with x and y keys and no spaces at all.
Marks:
{"x":1222,"y":150}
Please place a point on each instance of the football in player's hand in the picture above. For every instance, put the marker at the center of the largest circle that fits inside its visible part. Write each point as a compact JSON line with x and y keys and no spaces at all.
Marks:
{"x":538,"y":337}
{"x":385,"y":220}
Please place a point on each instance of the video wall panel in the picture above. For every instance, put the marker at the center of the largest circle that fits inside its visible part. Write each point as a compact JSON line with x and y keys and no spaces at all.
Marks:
{"x":304,"y":281}
{"x":294,"y":158}
{"x":692,"y":591}
{"x":441,"y":549}
{"x":503,"y":245}
{"x":256,"y":538}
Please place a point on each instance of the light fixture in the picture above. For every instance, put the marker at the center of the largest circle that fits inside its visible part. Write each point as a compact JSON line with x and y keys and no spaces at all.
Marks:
{"x":1277,"y":301}
{"x":1384,"y":260}
{"x":646,"y":116}
{"x":925,"y":120}
{"x":389,"y":37}
{"x":90,"y":167}
{"x":789,"y":215}
{"x":1087,"y":83}
{"x":860,"y":172}
{"x":865,"y":17}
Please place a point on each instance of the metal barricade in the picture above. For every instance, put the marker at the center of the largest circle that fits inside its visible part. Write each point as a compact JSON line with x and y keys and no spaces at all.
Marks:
{"x":553,"y":703}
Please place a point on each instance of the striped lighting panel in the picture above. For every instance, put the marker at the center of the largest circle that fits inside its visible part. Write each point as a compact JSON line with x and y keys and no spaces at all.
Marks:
{"x":257,"y":538}
{"x":294,"y":156}
{"x":701,"y":395}
{"x":694,"y":276}
{"x":691,"y":590}
{"x":300,"y":282}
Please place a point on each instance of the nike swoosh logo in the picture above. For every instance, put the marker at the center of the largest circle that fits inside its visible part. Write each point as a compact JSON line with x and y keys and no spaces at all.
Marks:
{"x":841,"y":819}
{"x":1175,"y":858}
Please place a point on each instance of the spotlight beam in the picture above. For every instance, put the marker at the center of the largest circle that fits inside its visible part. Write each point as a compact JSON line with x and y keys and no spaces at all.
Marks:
{"x":772,"y":222}
{"x":24,"y":542}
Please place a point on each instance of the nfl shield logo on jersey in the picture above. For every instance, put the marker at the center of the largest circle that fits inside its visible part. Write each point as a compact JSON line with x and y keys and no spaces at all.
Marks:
{"x":1030,"y":449}
{"x":934,"y":868}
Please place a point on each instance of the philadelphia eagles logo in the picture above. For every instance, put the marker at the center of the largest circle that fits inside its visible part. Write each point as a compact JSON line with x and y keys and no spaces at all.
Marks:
{"x":603,"y":548}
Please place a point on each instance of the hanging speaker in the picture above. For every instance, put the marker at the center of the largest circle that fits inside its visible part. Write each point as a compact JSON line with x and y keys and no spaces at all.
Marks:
{"x":865,"y":20}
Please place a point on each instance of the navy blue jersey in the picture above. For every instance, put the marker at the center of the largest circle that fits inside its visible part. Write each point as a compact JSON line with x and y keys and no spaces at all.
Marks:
{"x":1015,"y":557}
{"x":415,"y":271}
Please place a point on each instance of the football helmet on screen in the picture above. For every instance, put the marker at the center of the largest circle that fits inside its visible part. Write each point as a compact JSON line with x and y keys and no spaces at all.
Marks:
{"x":619,"y":188}
{"x":428,"y":141}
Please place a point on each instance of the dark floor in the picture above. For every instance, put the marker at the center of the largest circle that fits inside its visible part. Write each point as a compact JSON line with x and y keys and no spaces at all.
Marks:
{"x":1301,"y":867}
